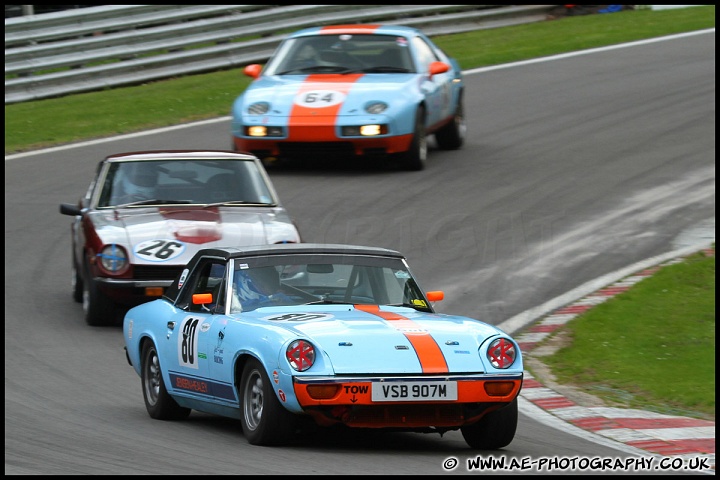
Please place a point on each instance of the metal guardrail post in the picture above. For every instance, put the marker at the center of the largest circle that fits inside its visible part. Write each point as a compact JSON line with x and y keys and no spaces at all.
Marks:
{"x":57,"y":54}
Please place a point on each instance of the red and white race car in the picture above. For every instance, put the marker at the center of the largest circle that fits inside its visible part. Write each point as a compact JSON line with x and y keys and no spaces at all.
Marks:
{"x":146,"y":214}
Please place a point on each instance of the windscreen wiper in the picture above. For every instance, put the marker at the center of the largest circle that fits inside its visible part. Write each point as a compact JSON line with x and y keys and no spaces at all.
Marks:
{"x":154,"y":201}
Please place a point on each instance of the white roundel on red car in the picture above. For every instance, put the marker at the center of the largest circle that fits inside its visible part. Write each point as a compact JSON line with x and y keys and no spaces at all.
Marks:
{"x":159,"y":250}
{"x":319,"y":98}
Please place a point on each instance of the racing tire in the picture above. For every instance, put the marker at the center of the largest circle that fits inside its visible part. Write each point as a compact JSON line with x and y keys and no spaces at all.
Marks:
{"x":158,"y":402}
{"x":264,"y":420}
{"x":77,"y":284}
{"x":415,"y":158}
{"x":99,"y":310}
{"x":494,"y":430}
{"x":452,"y":135}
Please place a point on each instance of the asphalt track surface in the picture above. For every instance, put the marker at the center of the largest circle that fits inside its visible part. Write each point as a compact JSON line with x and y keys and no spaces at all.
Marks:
{"x":575,"y":168}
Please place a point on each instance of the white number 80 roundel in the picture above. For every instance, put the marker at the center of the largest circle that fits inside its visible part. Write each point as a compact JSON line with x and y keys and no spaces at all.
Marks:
{"x":319,"y":98}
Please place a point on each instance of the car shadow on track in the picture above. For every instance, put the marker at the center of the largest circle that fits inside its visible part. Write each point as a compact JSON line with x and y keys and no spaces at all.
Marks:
{"x":340,"y":438}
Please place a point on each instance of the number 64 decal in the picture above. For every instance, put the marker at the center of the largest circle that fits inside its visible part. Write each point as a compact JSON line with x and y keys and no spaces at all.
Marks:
{"x":159,"y":250}
{"x":319,"y":98}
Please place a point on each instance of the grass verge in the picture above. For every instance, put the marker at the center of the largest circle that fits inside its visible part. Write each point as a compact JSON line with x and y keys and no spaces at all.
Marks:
{"x":651,"y":347}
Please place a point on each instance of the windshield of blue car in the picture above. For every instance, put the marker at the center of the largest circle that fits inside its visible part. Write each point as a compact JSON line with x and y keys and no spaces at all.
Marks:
{"x":325,"y":279}
{"x":344,"y":53}
{"x":173,"y":182}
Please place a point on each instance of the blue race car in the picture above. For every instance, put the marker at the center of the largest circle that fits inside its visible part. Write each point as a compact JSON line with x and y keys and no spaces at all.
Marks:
{"x":346,"y":91}
{"x":279,"y":335}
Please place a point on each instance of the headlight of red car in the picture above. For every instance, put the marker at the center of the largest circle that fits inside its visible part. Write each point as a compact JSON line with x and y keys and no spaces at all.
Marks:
{"x":501,"y":353}
{"x":301,"y":355}
{"x":113,"y":259}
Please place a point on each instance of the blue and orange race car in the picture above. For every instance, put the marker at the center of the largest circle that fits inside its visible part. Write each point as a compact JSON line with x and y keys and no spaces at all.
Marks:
{"x":281,"y":335}
{"x":346,"y":91}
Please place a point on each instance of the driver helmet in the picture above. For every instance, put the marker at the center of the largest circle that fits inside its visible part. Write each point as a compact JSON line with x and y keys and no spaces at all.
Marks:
{"x":257,"y":283}
{"x":140,"y":180}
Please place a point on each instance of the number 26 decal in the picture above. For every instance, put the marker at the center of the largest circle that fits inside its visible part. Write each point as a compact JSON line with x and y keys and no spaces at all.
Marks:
{"x":319,"y":98}
{"x":159,"y":250}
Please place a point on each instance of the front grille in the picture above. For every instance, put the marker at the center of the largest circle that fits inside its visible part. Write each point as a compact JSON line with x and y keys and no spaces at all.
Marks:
{"x":261,"y":154}
{"x":406,"y":415}
{"x":322,"y":149}
{"x":375,"y":152}
{"x":153,"y":272}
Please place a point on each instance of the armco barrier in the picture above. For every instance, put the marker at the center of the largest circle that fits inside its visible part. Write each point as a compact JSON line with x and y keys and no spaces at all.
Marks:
{"x":93,"y":48}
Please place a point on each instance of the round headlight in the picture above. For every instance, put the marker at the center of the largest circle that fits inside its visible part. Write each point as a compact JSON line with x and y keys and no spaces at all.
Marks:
{"x":113,"y":258}
{"x":502,"y":353}
{"x":376,"y":107}
{"x":301,"y":355}
{"x":259,"y":108}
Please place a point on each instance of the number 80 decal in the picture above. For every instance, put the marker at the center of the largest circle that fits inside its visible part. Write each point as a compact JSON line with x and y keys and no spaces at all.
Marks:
{"x":319,"y":98}
{"x":159,"y":250}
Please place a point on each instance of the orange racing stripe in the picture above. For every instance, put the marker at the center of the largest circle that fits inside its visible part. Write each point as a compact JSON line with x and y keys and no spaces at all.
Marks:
{"x":317,"y":123}
{"x":428,"y":351}
{"x":310,"y":120}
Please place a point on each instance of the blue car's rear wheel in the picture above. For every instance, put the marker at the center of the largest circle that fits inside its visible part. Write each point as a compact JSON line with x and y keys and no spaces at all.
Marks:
{"x":264,"y":420}
{"x":452,"y":135}
{"x":158,"y":401}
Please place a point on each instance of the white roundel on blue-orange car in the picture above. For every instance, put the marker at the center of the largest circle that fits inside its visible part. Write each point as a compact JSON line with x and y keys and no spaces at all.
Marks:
{"x":319,"y":98}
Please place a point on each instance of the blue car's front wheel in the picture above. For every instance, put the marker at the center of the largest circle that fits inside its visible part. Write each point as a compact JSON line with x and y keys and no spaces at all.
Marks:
{"x":416,"y":156}
{"x":493,"y":431}
{"x":264,"y":420}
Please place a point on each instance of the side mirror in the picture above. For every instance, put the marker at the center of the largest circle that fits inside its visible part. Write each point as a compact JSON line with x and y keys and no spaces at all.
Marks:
{"x":438,"y":67}
{"x":202,"y":298}
{"x":253,"y":70}
{"x":69,"y":209}
{"x":435,"y":296}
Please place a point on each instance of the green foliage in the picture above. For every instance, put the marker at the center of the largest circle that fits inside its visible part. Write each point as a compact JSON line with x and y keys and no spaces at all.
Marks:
{"x":43,"y":123}
{"x":48,"y":122}
{"x":569,"y":34}
{"x":651,"y":347}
